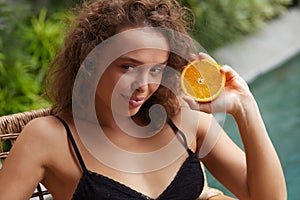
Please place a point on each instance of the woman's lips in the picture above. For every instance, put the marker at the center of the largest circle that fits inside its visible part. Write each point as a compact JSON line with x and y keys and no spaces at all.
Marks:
{"x":135,"y":101}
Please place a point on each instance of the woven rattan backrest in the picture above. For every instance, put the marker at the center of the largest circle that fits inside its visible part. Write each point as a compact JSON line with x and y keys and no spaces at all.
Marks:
{"x":10,"y":128}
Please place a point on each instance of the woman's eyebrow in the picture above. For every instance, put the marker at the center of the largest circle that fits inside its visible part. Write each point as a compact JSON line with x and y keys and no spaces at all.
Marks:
{"x":138,"y":62}
{"x":163,"y":63}
{"x":130,"y":59}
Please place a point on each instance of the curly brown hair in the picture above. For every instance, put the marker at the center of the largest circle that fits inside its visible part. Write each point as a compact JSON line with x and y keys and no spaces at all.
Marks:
{"x":98,"y":20}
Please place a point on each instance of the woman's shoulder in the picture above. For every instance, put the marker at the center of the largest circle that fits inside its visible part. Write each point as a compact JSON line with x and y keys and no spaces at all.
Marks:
{"x":44,"y":127}
{"x":47,"y":136}
{"x":194,"y":117}
{"x":45,"y":131}
{"x":198,"y":121}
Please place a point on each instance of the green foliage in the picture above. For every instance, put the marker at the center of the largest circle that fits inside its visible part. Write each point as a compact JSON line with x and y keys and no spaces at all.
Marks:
{"x":221,"y":22}
{"x":43,"y":37}
{"x":27,"y":45}
{"x":28,"y":42}
{"x":6,"y":145}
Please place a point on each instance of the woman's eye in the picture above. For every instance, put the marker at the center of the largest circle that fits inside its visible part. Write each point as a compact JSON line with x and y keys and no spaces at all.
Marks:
{"x":156,"y":70}
{"x":128,"y":67}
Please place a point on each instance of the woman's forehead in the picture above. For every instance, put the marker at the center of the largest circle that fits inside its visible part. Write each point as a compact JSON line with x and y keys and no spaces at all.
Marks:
{"x":148,"y":55}
{"x":143,"y":38}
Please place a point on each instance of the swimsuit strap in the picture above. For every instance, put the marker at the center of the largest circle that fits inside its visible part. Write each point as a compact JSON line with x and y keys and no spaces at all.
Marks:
{"x":70,"y":136}
{"x":177,"y":130}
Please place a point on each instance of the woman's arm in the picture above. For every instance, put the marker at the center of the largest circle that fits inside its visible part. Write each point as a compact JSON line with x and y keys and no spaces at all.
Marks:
{"x":23,"y":169}
{"x":257,"y":173}
{"x":264,"y":173}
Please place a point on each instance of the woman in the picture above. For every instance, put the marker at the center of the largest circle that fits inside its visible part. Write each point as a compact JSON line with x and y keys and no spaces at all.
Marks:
{"x":141,"y":74}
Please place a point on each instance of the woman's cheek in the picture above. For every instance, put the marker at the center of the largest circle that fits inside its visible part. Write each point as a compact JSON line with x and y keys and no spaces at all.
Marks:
{"x":154,"y":87}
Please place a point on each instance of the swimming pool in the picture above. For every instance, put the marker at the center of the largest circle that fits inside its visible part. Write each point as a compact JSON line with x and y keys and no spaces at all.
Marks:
{"x":278,"y":96}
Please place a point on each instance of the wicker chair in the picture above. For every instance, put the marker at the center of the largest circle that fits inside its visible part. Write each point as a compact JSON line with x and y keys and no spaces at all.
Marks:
{"x":12,"y":125}
{"x":10,"y":128}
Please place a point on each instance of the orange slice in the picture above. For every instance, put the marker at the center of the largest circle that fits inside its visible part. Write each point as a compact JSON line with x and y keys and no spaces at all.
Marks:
{"x":202,"y":80}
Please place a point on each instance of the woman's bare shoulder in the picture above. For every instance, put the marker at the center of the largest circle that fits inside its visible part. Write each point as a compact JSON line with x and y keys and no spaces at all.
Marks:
{"x":197,"y":119}
{"x":44,"y":132}
{"x":43,"y":127}
{"x":200,"y":123}
{"x":41,"y":144}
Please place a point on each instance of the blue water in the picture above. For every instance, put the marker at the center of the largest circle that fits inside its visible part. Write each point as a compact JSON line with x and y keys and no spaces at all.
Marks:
{"x":278,"y":96}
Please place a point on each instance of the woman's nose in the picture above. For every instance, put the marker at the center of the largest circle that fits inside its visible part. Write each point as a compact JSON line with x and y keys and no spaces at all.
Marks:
{"x":140,"y":83}
{"x":142,"y":88}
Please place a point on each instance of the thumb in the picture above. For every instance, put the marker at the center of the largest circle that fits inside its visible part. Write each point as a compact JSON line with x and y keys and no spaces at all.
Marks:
{"x":195,"y":105}
{"x":206,"y":107}
{"x":191,"y":102}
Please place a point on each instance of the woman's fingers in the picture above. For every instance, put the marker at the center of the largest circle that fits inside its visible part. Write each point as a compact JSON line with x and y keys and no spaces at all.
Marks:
{"x":202,"y":55}
{"x":229,"y":72}
{"x":193,"y":57}
{"x":233,"y":78}
{"x":215,"y":106}
{"x":235,"y":89}
{"x":191,"y":102}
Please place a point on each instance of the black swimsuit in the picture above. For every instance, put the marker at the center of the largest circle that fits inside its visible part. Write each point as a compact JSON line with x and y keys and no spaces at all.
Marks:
{"x":187,"y":184}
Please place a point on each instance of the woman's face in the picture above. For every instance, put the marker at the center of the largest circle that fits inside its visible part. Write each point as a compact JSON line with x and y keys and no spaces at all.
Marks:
{"x":132,"y":78}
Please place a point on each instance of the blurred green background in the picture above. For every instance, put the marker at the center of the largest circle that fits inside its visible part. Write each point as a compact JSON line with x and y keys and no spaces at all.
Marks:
{"x":32,"y":32}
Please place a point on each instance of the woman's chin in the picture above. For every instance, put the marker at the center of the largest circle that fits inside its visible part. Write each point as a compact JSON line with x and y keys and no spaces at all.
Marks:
{"x":130,"y":112}
{"x":133,"y":111}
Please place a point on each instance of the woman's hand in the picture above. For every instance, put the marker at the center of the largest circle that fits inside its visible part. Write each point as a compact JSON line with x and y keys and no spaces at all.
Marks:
{"x":234,"y":95}
{"x":247,"y":174}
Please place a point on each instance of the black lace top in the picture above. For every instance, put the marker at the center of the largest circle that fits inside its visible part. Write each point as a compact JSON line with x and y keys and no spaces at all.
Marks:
{"x":186,"y":185}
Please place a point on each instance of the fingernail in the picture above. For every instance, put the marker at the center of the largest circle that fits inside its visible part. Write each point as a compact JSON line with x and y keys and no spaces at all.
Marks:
{"x":192,"y":57}
{"x":182,"y":68}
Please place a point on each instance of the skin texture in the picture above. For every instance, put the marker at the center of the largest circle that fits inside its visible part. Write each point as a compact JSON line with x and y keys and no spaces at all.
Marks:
{"x":253,"y":174}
